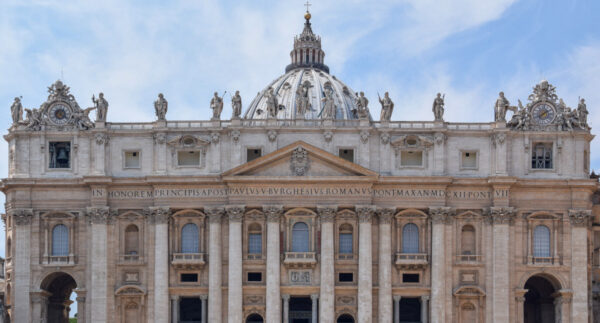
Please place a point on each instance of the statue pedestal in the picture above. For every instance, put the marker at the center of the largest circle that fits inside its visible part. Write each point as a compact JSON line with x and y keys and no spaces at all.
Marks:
{"x":100,"y":124}
{"x":438,"y":124}
{"x":385,"y":123}
{"x":500,"y":124}
{"x":364,"y":122}
{"x":328,"y":122}
{"x":216,"y":123}
{"x":160,"y":124}
{"x":271,"y":122}
{"x":236,"y":122}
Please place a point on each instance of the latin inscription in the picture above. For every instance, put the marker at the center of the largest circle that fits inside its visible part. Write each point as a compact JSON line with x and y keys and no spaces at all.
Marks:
{"x":332,"y":191}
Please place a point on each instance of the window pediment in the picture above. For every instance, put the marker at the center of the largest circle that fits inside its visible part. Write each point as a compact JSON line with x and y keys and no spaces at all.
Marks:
{"x":412,"y":142}
{"x":188,"y":141}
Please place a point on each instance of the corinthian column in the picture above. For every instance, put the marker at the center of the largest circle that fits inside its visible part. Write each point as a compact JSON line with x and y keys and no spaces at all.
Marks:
{"x":385,"y":265}
{"x":99,"y":218}
{"x":365,"y":264}
{"x":579,"y":261}
{"x":22,"y":258}
{"x":234,"y":296}
{"x":159,"y":216}
{"x":501,"y":218}
{"x":214,"y":265}
{"x":327,"y":306}
{"x":273,"y":213}
{"x":438,"y":277}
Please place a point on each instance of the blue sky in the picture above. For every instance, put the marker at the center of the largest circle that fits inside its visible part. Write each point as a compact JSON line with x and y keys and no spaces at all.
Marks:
{"x":131,"y":50}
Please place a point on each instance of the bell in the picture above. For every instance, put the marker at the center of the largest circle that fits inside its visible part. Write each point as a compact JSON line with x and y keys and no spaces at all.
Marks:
{"x":62,"y":156}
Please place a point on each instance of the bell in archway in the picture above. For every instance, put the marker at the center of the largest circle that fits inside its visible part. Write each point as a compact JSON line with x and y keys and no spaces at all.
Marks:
{"x":62,"y":156}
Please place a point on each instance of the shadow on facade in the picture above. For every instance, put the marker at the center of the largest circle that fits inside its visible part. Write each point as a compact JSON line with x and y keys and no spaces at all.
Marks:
{"x":59,"y":286}
{"x":254,"y":318}
{"x":539,"y":300}
{"x":345,"y":318}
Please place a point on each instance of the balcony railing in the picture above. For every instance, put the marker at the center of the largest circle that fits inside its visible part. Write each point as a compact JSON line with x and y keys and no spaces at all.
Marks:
{"x":131,"y":259}
{"x":468,"y":259}
{"x":188,"y":260}
{"x":543,"y":260}
{"x":300,"y":259}
{"x":254,"y":256}
{"x":411,"y":260}
{"x":60,"y":260}
{"x":345,"y":256}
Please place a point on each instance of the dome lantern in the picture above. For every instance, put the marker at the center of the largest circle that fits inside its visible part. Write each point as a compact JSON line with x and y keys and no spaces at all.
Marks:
{"x":307,"y":50}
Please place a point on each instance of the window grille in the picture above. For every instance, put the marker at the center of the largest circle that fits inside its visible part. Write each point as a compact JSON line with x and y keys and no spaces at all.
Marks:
{"x":300,"y":237}
{"x":468,"y":240}
{"x":541,"y":241}
{"x":255,"y":243}
{"x":189,"y":238}
{"x":60,"y":240}
{"x":131,"y":240}
{"x":410,"y":238}
{"x":541,"y":156}
{"x":346,"y":243}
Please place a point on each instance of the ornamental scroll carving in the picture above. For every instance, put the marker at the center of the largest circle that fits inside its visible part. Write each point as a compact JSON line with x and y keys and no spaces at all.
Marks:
{"x":22,"y":216}
{"x":299,"y":163}
{"x":101,"y":138}
{"x":327,"y":213}
{"x":502,"y":215}
{"x":365,"y":213}
{"x":158,"y":215}
{"x":235,"y":213}
{"x":215,"y":214}
{"x":273,"y":212}
{"x":385,"y":215}
{"x":579,"y":218}
{"x":101,"y":215}
{"x":441,"y":214}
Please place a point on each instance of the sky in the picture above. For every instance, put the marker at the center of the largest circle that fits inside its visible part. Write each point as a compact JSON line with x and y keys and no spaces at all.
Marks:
{"x":132,"y":50}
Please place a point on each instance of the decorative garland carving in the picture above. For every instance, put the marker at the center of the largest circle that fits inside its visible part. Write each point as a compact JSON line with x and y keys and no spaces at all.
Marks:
{"x":365,"y":213}
{"x":101,"y":215}
{"x":299,"y":162}
{"x":158,"y":215}
{"x":235,"y":213}
{"x":327,"y":213}
{"x":385,"y":215}
{"x":579,"y":218}
{"x":101,"y":138}
{"x":22,"y":216}
{"x":215,"y":214}
{"x":441,"y":214}
{"x":273,"y":212}
{"x":502,"y":215}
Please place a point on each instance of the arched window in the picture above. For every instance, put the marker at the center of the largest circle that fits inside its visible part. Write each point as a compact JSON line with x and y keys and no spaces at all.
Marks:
{"x":541,"y":241}
{"x":60,"y":240}
{"x":132,"y":240}
{"x":467,"y":241}
{"x":300,"y":237}
{"x":410,"y":238}
{"x":254,"y":239}
{"x":254,"y":318}
{"x":346,"y":239}
{"x":189,"y":238}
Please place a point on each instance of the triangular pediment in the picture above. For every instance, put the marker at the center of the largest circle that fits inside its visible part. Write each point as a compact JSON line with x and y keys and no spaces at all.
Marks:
{"x":299,"y":160}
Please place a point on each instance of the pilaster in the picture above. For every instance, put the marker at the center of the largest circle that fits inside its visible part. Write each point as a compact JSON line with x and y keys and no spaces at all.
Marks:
{"x":365,"y":263}
{"x":580,"y":220}
{"x":500,"y":218}
{"x":159,"y":216}
{"x":327,"y":301}
{"x":234,"y":296}
{"x":385,"y":308}
{"x":215,"y":261}
{"x":439,"y":216}
{"x":273,"y":215}
{"x":22,"y":264}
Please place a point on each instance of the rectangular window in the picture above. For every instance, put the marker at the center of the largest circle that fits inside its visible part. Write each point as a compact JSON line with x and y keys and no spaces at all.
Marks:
{"x":189,"y":278}
{"x":345,"y":243}
{"x":410,"y":278}
{"x":253,"y":153}
{"x":254,"y":276}
{"x":255,"y":243}
{"x":468,"y":160}
{"x":132,"y":159}
{"x":60,"y":154}
{"x":188,"y":158}
{"x":411,"y":158}
{"x":345,"y":277}
{"x":541,"y":156}
{"x":347,"y":154}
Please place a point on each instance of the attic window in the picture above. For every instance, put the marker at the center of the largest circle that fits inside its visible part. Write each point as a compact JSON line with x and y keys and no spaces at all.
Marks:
{"x":253,"y":153}
{"x":468,"y":159}
{"x":132,"y":159}
{"x":412,"y":158}
{"x":347,"y":154}
{"x":188,"y":158}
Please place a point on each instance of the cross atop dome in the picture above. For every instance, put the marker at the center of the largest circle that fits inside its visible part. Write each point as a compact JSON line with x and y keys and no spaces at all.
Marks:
{"x":307,"y":50}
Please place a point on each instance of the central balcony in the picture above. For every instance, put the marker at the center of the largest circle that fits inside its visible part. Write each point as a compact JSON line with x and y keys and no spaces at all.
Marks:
{"x":411,"y":260}
{"x":300,"y":259}
{"x":188,"y":260}
{"x":66,"y":260}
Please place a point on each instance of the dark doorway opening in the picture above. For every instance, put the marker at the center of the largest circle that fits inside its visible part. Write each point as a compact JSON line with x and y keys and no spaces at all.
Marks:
{"x":345,"y":318}
{"x":254,"y":318}
{"x":60,"y":285}
{"x":539,"y":302}
{"x":300,"y":310}
{"x":190,"y":310}
{"x":410,"y":310}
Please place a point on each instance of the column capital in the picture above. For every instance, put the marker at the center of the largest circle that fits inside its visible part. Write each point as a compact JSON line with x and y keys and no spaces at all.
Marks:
{"x":214,"y":213}
{"x":273,"y":212}
{"x":285,"y":297}
{"x":327,"y":212}
{"x":385,"y":214}
{"x":440,"y":214}
{"x":580,"y":218}
{"x":158,"y":214}
{"x":22,"y":216}
{"x":425,"y":298}
{"x":314,"y":297}
{"x":101,"y":215}
{"x":235,"y":212}
{"x":501,"y":215}
{"x":397,"y":298}
{"x":365,"y":213}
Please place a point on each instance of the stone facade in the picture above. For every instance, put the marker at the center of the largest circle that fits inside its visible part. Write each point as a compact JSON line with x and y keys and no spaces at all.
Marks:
{"x":279,"y":219}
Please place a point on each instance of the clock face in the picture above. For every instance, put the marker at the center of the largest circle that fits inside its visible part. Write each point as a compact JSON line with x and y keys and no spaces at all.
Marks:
{"x":59,"y":114}
{"x":543,"y":113}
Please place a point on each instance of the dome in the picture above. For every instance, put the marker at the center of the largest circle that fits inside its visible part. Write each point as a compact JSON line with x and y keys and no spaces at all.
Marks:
{"x":302,"y":91}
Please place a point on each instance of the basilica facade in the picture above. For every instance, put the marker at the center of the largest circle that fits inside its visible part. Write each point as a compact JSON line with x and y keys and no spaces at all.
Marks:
{"x":303,"y":208}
